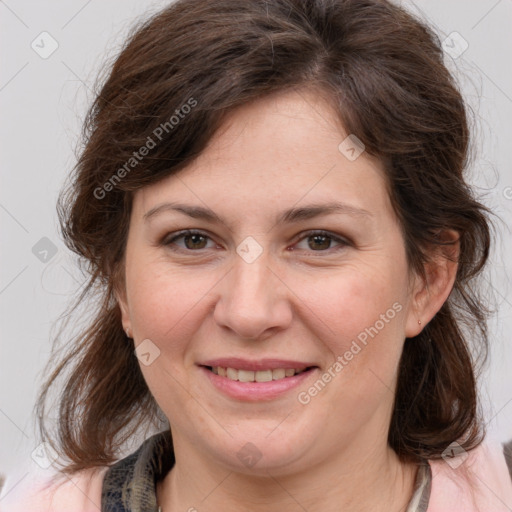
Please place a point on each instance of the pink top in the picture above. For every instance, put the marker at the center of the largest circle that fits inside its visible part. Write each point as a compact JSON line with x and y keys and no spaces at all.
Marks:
{"x":81,"y":493}
{"x":487,"y":487}
{"x":481,"y":483}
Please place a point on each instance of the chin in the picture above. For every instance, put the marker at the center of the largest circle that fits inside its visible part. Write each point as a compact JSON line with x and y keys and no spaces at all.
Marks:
{"x":262,"y":450}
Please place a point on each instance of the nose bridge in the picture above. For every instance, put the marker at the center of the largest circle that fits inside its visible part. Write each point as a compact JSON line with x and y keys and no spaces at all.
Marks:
{"x":251,"y":278}
{"x":251,"y":272}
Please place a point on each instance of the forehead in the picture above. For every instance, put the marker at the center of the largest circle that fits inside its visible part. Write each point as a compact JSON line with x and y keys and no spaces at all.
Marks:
{"x":282,"y":150}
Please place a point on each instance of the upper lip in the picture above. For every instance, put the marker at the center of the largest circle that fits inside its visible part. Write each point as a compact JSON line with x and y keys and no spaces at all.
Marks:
{"x":260,"y":364}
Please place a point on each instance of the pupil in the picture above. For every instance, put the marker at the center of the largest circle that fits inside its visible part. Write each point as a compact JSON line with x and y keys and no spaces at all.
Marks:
{"x":325,"y":238}
{"x":194,"y":239}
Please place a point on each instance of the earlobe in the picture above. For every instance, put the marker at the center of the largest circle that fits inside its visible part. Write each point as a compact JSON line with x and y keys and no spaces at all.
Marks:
{"x":416,"y":318}
{"x":125,"y":317}
{"x":430,"y":293}
{"x":120,"y":296}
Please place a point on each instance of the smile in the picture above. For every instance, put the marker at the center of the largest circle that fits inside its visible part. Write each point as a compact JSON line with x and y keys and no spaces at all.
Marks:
{"x":265,"y":379}
{"x":256,"y":376}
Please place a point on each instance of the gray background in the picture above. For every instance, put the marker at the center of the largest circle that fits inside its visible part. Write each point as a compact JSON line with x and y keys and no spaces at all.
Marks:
{"x":43,"y":101}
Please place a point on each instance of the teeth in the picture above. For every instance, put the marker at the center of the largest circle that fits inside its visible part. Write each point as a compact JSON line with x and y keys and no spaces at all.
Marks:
{"x":256,"y":376}
{"x":263,"y":376}
{"x":245,"y":376}
{"x":278,"y":374}
{"x":231,"y":373}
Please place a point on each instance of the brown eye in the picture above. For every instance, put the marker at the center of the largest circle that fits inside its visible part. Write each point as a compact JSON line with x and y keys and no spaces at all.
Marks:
{"x":317,"y":241}
{"x":193,"y":240}
{"x":321,"y":241}
{"x":196,"y":241}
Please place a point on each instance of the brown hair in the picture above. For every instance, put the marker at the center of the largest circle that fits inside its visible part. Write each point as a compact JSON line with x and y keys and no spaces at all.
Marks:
{"x":382,"y":71}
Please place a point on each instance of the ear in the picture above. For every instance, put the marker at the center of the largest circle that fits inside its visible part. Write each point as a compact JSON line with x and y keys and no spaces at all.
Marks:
{"x":431,"y":293}
{"x":121,"y":298}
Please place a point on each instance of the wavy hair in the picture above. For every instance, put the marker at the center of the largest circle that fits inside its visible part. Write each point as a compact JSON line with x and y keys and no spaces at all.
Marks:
{"x":382,"y":72}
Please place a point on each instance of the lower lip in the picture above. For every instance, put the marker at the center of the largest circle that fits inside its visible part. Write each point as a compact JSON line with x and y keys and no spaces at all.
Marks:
{"x":254,"y":391}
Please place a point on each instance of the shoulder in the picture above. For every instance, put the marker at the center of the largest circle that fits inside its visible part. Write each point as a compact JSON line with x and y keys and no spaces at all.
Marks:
{"x":473,"y":481}
{"x":83,"y":491}
{"x":80,"y":492}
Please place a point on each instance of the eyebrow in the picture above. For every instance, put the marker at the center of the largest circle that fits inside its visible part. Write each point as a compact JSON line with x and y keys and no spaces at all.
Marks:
{"x":287,"y":217}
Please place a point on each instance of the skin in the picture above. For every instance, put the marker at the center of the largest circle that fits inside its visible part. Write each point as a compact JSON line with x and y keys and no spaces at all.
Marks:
{"x":202,"y":300}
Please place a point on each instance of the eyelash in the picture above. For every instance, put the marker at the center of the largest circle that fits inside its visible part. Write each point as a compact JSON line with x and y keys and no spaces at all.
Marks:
{"x":168,"y":242}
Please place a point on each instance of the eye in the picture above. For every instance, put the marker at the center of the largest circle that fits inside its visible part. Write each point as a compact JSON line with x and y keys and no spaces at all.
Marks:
{"x":194,"y":240}
{"x":320,"y":241}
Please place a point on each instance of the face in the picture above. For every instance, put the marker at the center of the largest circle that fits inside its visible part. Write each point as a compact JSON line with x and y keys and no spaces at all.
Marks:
{"x":324,"y":292}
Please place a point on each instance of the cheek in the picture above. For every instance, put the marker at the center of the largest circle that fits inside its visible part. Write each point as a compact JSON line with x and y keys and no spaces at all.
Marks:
{"x":354,"y":299}
{"x":164,"y":305}
{"x":165,"y":301}
{"x":157,"y":303}
{"x":359,"y":317}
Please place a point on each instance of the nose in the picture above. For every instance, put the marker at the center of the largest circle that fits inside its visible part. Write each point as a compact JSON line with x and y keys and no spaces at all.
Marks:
{"x":254,"y":301}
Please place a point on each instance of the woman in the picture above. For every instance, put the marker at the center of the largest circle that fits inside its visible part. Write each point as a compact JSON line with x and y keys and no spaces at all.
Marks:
{"x":272,"y":203}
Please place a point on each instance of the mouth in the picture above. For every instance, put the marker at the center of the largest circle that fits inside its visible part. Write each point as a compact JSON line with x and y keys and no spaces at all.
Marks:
{"x":266,"y":375}
{"x":256,"y":380}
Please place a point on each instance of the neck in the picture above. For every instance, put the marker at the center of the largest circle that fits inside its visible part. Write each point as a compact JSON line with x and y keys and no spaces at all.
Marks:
{"x":377,"y":481}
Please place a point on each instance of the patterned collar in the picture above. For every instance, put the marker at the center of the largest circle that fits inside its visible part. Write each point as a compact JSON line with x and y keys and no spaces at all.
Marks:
{"x":130,"y":484}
